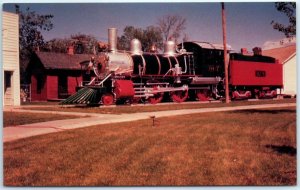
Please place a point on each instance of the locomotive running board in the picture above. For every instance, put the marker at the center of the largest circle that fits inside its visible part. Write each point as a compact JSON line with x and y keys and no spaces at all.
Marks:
{"x":205,"y":80}
{"x":148,"y":92}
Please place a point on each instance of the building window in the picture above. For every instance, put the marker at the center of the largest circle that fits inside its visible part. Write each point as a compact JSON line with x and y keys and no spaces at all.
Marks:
{"x":79,"y":48}
{"x":7,"y":80}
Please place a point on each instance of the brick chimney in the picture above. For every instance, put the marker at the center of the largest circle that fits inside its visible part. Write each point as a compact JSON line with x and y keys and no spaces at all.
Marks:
{"x":244,"y":51}
{"x":257,"y":51}
{"x":71,"y":50}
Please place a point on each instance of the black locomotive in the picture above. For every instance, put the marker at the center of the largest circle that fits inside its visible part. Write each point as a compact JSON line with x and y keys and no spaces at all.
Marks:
{"x":192,"y":70}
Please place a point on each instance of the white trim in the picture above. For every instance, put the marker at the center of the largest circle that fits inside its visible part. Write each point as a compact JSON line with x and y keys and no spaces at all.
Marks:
{"x":289,"y":58}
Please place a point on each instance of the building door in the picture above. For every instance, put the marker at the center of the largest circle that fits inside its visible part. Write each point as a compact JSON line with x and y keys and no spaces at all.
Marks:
{"x":62,"y":86}
{"x":7,"y":87}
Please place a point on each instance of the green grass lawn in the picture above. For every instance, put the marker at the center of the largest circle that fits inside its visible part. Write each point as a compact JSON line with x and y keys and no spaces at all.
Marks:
{"x":250,"y":147}
{"x":21,"y":118}
{"x":162,"y":107}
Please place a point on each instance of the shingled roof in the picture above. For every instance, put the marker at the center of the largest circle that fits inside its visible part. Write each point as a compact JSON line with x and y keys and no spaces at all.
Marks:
{"x":282,"y":53}
{"x":52,"y":60}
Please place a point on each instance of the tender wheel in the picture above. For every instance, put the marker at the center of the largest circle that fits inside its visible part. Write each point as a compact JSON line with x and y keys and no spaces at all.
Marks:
{"x":274,"y":94}
{"x":259,"y":94}
{"x":203,"y":95}
{"x":179,"y":96}
{"x":234,"y":95}
{"x":107,"y":99}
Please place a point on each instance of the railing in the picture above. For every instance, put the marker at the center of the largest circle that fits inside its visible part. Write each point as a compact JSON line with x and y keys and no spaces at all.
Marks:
{"x":25,"y":92}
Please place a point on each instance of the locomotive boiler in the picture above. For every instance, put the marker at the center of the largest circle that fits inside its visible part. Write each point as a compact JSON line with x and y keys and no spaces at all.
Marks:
{"x":193,"y":70}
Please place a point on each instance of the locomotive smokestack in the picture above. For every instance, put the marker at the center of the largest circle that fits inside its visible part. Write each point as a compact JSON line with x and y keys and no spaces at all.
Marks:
{"x":112,"y":39}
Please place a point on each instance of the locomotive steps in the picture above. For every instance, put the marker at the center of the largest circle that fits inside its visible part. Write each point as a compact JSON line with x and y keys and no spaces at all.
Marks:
{"x":11,"y":133}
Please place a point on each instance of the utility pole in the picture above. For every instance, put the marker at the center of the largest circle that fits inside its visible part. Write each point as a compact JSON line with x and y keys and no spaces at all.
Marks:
{"x":226,"y":61}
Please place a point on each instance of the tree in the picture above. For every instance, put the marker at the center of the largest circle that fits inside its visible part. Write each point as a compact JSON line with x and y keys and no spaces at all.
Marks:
{"x":152,"y":36}
{"x":83,"y":44}
{"x":129,"y":33}
{"x":30,"y":37}
{"x":289,"y":9}
{"x":57,"y":45}
{"x":171,"y":26}
{"x":149,"y":36}
{"x":185,"y":38}
{"x":31,"y":25}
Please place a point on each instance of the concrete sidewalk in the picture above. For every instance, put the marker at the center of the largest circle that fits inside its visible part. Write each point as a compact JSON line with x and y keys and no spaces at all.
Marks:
{"x":22,"y":131}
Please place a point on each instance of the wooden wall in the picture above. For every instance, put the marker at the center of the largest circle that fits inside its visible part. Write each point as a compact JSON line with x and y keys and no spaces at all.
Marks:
{"x":10,"y":50}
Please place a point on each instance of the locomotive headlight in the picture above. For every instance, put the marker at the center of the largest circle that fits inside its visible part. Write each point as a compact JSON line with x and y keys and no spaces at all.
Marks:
{"x":92,"y":61}
{"x":90,"y":65}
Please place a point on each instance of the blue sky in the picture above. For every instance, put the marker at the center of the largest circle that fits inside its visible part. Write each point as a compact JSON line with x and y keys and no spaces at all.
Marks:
{"x":248,"y":24}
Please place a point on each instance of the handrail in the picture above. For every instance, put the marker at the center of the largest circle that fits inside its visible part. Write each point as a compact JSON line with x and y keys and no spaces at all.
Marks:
{"x":101,"y":83}
{"x":92,"y":81}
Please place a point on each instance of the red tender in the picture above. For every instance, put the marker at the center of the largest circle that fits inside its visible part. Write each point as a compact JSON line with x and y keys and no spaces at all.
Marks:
{"x":244,"y":73}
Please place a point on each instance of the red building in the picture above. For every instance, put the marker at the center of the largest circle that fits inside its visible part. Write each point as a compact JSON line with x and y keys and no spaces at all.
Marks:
{"x":54,"y":76}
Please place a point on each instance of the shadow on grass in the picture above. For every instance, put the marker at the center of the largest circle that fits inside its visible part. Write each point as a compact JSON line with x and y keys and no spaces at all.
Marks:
{"x":283,"y":149}
{"x":251,"y":111}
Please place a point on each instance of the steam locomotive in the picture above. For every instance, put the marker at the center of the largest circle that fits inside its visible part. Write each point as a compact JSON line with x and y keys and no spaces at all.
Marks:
{"x":190,"y":70}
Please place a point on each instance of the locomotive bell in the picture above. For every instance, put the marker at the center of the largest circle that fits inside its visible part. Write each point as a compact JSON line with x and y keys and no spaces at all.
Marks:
{"x":170,"y":48}
{"x":136,"y":47}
